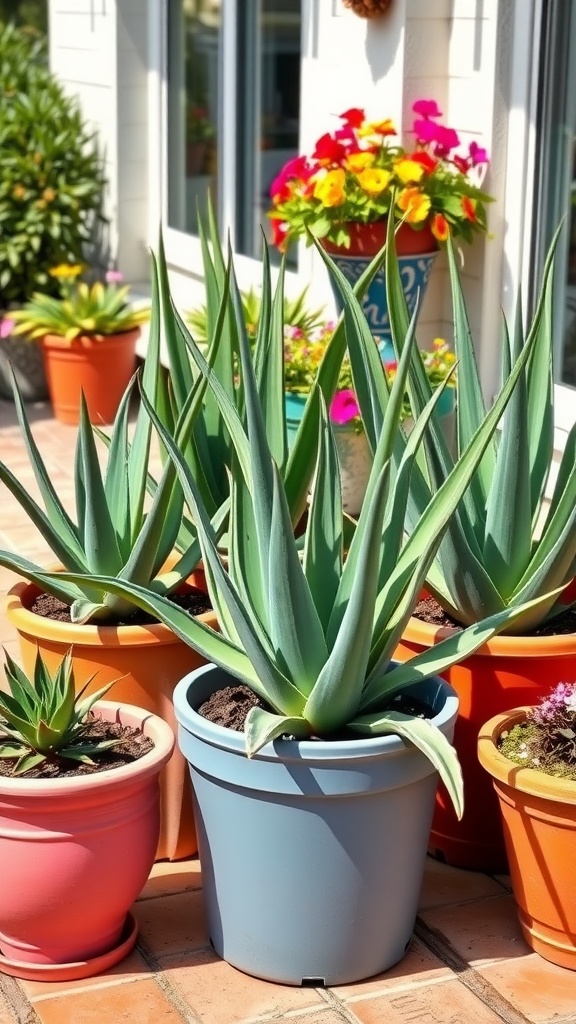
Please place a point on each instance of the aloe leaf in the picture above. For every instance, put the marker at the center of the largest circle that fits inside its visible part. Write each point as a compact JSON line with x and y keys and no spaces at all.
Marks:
{"x":295,"y":629}
{"x":116,"y":483}
{"x":27,"y":762}
{"x":243,"y":555}
{"x":100,"y":541}
{"x":429,"y":739}
{"x":336,"y":695}
{"x":508,"y":535}
{"x":323,"y":546}
{"x":269,"y":362}
{"x":56,"y":586}
{"x":262,"y":727}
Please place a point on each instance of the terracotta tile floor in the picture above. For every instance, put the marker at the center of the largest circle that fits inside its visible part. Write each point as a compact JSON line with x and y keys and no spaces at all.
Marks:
{"x":467,"y":962}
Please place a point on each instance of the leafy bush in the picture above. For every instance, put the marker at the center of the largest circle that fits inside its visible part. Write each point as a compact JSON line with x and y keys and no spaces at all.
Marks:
{"x":51,"y":175}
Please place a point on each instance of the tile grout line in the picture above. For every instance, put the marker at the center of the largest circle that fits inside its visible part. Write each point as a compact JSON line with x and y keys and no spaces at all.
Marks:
{"x":17,"y":1002}
{"x":165,"y":985}
{"x":467,"y":975}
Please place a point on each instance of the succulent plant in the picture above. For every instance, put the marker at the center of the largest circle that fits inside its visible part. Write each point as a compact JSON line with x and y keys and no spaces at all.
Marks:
{"x":44,"y":718}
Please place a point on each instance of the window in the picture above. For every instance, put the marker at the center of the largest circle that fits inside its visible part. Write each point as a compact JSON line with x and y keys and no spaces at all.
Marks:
{"x":233,"y":110}
{"x":556,"y":175}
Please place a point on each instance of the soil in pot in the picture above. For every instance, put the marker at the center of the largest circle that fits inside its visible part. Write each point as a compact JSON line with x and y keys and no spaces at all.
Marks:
{"x":193,"y":600}
{"x":131,"y":744}
{"x":428,"y":610}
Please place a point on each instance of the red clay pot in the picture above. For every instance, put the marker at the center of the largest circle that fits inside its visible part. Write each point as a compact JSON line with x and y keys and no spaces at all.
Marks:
{"x":368,"y":239}
{"x":147,"y":661}
{"x":100,"y":366}
{"x":505,"y":673}
{"x":539,"y":819}
{"x":75,"y":853}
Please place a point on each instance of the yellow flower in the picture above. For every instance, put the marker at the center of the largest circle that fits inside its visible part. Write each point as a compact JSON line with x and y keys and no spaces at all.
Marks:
{"x":414,"y":204}
{"x":356,"y":162}
{"x":330,"y":188}
{"x":374,"y":180}
{"x":49,"y":195}
{"x":66,"y":271}
{"x":385,"y":127}
{"x":18,"y":192}
{"x":408,"y":171}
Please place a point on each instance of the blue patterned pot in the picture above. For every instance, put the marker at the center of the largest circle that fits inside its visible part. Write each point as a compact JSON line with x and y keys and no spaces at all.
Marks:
{"x":414,"y":271}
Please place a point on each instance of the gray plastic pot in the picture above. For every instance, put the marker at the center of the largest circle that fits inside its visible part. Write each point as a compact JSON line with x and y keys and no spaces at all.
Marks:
{"x":312,"y":852}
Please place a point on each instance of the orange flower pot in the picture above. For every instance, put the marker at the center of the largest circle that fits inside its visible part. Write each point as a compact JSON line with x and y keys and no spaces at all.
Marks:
{"x":539,"y":820}
{"x":100,"y":366}
{"x":148,"y":661}
{"x":505,"y":673}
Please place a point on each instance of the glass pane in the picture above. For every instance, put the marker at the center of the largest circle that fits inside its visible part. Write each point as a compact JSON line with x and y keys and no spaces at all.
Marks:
{"x":193,"y":103}
{"x":269,"y":56}
{"x":556,"y":197}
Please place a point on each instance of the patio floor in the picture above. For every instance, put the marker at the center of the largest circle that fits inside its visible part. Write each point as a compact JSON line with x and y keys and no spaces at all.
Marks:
{"x":467,"y":962}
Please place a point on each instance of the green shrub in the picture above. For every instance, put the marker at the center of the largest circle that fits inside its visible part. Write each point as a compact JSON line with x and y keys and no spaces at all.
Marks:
{"x":51,"y":175}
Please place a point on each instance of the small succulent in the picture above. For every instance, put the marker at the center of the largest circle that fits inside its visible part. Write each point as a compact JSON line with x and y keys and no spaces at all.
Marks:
{"x":44,"y":718}
{"x":547,"y":739}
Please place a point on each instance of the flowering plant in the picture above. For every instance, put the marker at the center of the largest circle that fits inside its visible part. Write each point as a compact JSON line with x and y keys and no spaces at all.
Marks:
{"x":360,"y":171}
{"x":199,"y":128}
{"x":100,"y":309}
{"x":546,"y":740}
{"x":302,"y":355}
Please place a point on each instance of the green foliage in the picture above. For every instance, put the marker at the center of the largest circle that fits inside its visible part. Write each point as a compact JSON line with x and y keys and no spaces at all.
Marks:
{"x":51,"y":176}
{"x":98,"y":309}
{"x":313,"y":633}
{"x":43,"y":718}
{"x":506,"y":545}
{"x":297,"y":314}
{"x":546,"y":740}
{"x":114,"y":533}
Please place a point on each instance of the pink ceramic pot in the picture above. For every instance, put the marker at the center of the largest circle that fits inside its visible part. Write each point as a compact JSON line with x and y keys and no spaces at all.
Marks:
{"x":75,"y":853}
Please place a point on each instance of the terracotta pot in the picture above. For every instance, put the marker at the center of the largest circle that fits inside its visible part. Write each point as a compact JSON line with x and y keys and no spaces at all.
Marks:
{"x":539,"y":819}
{"x":148,"y":661}
{"x":505,"y":673}
{"x":101,"y":367}
{"x":369,"y":239}
{"x":75,"y":854}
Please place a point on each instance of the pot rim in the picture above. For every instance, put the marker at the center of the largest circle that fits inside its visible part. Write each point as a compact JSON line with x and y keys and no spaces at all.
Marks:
{"x":26,"y":621}
{"x":150,"y":763}
{"x":501,"y":768}
{"x":87,"y":340}
{"x":301,"y":751}
{"x":503,"y":645}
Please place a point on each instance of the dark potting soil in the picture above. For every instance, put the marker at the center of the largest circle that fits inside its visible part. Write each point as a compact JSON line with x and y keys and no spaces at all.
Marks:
{"x":192,"y":600}
{"x":132,"y":744}
{"x":230,"y":705}
{"x":428,"y":610}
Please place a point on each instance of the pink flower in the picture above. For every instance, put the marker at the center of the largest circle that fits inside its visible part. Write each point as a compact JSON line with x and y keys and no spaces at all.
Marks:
{"x":478,"y":154}
{"x":426,"y":108}
{"x":114,"y":277}
{"x":6,"y":327}
{"x":344,"y":407}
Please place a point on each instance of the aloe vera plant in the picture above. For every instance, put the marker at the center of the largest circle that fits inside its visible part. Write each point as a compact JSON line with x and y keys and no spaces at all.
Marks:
{"x":506,"y":545}
{"x":43,"y":718}
{"x":115,"y":533}
{"x":314,"y":636}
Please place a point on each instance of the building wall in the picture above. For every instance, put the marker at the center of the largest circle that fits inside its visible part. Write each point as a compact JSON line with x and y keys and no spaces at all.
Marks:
{"x":99,"y":50}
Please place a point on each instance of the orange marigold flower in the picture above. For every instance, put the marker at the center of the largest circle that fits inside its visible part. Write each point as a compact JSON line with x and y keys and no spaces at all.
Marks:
{"x":374,"y":180}
{"x":385,"y":127}
{"x":49,"y":195}
{"x":18,"y":192}
{"x":469,"y":208}
{"x":360,"y":160}
{"x":439,"y":227}
{"x":414,"y":204}
{"x":408,"y":171}
{"x":330,"y":188}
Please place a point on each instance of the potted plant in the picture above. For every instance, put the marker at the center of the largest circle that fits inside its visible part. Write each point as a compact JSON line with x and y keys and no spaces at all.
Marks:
{"x":344,"y":192}
{"x":530,"y":754}
{"x":88,"y":337}
{"x":51,"y":191}
{"x":512,"y":539}
{"x":306,"y":647}
{"x":116,"y":530}
{"x":73,"y":859}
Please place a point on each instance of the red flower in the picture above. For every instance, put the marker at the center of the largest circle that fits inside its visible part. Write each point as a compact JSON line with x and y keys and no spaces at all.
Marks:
{"x":279,"y":232}
{"x":461,"y":163}
{"x":299,"y":168}
{"x":469,"y":208}
{"x":439,"y":227}
{"x":424,"y":159}
{"x":329,"y":151}
{"x":354,"y":117}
